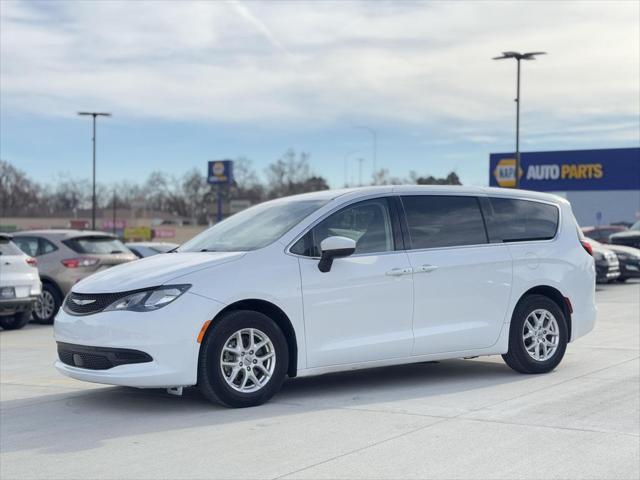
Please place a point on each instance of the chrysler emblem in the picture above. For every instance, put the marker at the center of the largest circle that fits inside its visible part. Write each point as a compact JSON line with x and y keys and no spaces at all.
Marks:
{"x":81,"y":302}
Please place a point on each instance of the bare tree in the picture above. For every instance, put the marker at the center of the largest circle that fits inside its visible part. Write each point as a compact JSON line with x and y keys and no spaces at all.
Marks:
{"x":451,"y":179}
{"x":18,"y":194}
{"x":246,"y":184}
{"x":196,"y":193}
{"x":291,"y":174}
{"x":383,"y":177}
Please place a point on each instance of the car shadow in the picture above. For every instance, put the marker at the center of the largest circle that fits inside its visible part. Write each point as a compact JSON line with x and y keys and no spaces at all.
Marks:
{"x":81,"y":420}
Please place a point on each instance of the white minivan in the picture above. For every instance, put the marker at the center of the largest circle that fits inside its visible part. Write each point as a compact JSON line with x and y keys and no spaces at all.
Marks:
{"x":338,"y":280}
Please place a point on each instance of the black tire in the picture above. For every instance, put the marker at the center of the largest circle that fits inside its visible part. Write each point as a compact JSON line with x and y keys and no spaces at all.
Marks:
{"x":517,"y":357}
{"x":50,"y":289}
{"x":15,"y":322}
{"x":210,"y":376}
{"x":622,"y":279}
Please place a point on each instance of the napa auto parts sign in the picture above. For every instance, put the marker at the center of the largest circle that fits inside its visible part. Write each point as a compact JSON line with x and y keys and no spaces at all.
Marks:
{"x":605,"y":169}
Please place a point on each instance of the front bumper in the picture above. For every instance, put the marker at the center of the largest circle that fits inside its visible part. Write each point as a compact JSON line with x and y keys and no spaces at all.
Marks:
{"x":630,"y":268}
{"x":607,"y":273}
{"x":168,"y":335}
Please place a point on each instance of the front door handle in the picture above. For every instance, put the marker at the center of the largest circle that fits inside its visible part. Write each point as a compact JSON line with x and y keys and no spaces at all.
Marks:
{"x":396,"y":272}
{"x":427,"y":268}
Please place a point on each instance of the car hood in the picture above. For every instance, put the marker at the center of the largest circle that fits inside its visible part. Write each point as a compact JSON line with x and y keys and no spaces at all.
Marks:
{"x":152,"y":271}
{"x":626,"y":234}
{"x":634,"y":252}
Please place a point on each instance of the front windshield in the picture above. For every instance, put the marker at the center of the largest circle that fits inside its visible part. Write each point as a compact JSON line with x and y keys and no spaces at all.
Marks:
{"x":636,"y":226}
{"x":253,"y":228}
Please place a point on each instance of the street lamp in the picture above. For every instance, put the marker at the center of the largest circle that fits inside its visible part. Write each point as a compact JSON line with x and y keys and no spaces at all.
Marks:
{"x":518,"y":56}
{"x":374,"y":134}
{"x":346,"y":165}
{"x":360,"y":160}
{"x":93,"y":196}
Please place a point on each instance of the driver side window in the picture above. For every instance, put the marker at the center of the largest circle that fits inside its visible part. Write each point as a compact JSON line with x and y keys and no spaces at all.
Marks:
{"x":367,"y":222}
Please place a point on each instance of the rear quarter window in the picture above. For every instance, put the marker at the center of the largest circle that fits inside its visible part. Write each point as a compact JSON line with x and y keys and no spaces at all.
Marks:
{"x":516,"y":220}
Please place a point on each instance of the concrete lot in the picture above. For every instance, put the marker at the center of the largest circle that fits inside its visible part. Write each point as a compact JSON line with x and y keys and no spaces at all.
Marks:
{"x":453,"y":419}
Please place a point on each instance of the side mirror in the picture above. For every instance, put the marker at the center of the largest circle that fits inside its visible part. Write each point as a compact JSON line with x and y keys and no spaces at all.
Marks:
{"x":334,"y":247}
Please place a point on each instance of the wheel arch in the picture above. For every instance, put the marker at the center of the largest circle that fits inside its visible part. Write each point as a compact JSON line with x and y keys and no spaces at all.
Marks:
{"x":45,"y":279}
{"x":276,"y":314}
{"x":557,"y":297}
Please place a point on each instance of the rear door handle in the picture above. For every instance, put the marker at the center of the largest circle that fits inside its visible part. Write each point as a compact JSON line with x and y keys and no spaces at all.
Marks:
{"x":427,"y":268}
{"x":396,"y":272}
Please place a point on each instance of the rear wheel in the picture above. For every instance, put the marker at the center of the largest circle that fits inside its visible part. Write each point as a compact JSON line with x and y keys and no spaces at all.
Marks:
{"x":243,"y":360}
{"x":17,"y":321}
{"x":538,"y":336}
{"x":47,"y":305}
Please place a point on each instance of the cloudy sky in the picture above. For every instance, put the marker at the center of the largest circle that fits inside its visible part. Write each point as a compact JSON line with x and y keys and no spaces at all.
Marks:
{"x":193,"y":81}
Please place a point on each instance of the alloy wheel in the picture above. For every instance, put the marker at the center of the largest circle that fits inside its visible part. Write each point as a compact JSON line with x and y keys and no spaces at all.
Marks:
{"x":45,"y":305}
{"x":541,"y":334}
{"x":248,"y":360}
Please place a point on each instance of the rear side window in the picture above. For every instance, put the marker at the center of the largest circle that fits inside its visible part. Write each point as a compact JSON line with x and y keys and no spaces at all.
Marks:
{"x":444,"y":221}
{"x":96,"y":245}
{"x":34,"y":246}
{"x":8,"y":248}
{"x":521,"y":220}
{"x":28,"y":245}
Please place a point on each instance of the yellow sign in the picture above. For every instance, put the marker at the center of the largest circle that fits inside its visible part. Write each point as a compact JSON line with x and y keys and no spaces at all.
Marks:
{"x":504,"y":172}
{"x":137,"y":233}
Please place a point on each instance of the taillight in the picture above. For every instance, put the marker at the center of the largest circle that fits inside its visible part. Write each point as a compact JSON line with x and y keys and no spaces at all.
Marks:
{"x":79,"y":262}
{"x":32,"y":261}
{"x":587,"y":246}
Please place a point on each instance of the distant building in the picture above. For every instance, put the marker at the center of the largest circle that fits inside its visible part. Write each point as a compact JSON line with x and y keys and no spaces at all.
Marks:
{"x":603,"y":185}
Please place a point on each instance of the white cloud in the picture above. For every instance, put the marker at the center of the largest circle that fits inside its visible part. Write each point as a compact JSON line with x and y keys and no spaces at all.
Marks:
{"x":299,"y":63}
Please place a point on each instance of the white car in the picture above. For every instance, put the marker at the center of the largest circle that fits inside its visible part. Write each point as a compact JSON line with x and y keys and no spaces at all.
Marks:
{"x":338,"y":280}
{"x":20,"y":285}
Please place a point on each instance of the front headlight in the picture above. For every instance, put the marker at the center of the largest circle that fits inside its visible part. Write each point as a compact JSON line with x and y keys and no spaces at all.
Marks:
{"x":148,"y":300}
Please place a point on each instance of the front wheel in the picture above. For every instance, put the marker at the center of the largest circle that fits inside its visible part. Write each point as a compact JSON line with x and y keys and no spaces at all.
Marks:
{"x":243,"y":360}
{"x":538,"y":336}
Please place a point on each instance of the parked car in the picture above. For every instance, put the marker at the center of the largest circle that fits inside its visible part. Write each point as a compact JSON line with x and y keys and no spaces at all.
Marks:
{"x":628,"y":258}
{"x":19,"y":285}
{"x":629,"y":238}
{"x":147,"y":249}
{"x":607,"y":264}
{"x":66,"y":257}
{"x":602,"y":233}
{"x":334,"y":281}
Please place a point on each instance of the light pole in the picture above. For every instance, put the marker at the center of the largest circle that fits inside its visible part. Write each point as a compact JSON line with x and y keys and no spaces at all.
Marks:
{"x":93,"y":138}
{"x":374,"y":135}
{"x":360,"y":160}
{"x":346,"y":166}
{"x":518,"y":56}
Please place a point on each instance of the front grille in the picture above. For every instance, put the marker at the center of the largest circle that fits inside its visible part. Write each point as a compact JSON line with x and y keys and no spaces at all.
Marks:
{"x":98,"y":302}
{"x":99,"y":358}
